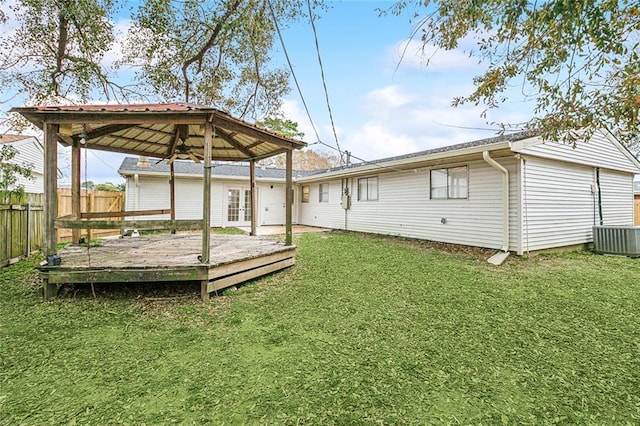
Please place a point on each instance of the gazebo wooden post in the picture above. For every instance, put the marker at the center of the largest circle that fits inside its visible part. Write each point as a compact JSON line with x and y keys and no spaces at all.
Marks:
{"x":50,"y":198}
{"x":252,"y":179}
{"x":289,"y":198}
{"x":75,"y":189}
{"x":172,"y":188}
{"x":206,"y":207}
{"x":206,"y":196}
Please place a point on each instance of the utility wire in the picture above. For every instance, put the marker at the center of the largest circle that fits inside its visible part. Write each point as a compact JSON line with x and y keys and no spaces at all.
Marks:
{"x":324,"y":83}
{"x":304,"y":102}
{"x":103,"y":162}
{"x":293,"y":74}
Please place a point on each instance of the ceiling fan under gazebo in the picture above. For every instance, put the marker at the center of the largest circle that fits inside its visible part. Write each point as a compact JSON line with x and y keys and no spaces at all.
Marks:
{"x":178,"y":149}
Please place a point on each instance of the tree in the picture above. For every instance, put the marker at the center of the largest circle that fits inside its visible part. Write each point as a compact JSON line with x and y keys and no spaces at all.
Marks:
{"x":307,"y":159}
{"x":88,"y":184}
{"x":51,"y":51}
{"x":578,"y":59}
{"x":282,"y":126}
{"x":107,"y":186}
{"x":10,"y":172}
{"x":212,"y":52}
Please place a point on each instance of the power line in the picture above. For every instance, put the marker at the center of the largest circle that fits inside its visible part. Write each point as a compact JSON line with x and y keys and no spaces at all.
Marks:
{"x":293,"y":74}
{"x":324,"y":83}
{"x":103,"y":162}
{"x":304,"y":102}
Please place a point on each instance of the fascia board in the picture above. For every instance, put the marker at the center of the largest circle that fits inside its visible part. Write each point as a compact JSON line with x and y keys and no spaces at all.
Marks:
{"x":405,"y":162}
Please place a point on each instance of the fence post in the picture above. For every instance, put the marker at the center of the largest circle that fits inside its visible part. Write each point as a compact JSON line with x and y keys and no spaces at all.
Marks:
{"x":90,"y":203}
{"x":28,"y":229}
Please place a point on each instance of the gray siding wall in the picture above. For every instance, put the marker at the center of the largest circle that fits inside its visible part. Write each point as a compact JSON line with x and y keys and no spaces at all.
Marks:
{"x":30,"y":154}
{"x":617,"y":197}
{"x":600,"y":151}
{"x":404,"y":207}
{"x":559,"y":207}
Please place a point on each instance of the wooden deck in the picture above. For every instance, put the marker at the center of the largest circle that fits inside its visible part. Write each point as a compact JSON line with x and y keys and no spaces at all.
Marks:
{"x":171,"y":258}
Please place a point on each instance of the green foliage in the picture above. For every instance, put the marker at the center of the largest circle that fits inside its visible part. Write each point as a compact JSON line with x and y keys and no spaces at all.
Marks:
{"x":579,"y":60}
{"x":211,"y":52}
{"x":107,"y":186}
{"x":10,"y":172}
{"x":363,"y":330}
{"x":52,"y":50}
{"x":284,"y":127}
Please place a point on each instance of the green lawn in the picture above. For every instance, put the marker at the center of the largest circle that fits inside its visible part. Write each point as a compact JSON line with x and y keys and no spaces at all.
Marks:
{"x":363,"y":330}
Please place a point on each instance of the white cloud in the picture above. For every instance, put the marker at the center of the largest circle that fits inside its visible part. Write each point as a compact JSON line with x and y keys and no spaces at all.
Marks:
{"x":120,"y":30}
{"x":413,"y":54}
{"x":389,"y":97}
{"x":376,"y":140}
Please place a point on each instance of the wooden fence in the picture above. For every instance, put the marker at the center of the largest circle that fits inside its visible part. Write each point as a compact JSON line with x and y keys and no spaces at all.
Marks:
{"x":21,"y":226}
{"x":90,"y":201}
{"x":636,"y":210}
{"x":22,"y":220}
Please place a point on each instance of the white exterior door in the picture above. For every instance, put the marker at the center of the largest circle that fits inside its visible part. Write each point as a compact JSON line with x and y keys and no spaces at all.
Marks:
{"x":272,"y":205}
{"x":238,"y":207}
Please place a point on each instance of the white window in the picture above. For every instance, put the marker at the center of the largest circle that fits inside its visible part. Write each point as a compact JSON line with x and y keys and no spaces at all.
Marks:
{"x":368,"y":189}
{"x":324,"y":193}
{"x":305,"y":193}
{"x":450,"y":183}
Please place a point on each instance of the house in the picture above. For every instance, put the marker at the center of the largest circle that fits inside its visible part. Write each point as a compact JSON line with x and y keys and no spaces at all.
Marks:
{"x":29,"y":154}
{"x":147,"y":188}
{"x":513,"y":192}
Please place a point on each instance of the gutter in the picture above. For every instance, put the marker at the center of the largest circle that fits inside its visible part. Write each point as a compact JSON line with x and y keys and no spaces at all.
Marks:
{"x":397,"y":164}
{"x":505,"y":197}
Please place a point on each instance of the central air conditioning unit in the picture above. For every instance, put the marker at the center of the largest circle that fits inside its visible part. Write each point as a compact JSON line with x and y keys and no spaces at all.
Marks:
{"x":622,"y":240}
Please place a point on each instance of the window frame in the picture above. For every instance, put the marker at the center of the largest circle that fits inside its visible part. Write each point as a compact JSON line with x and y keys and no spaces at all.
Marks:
{"x":365,"y":196}
{"x":449,"y":184}
{"x":305,"y":193}
{"x":322,"y":186}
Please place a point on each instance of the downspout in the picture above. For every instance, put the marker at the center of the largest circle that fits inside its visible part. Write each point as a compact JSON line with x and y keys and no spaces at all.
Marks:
{"x":505,"y":197}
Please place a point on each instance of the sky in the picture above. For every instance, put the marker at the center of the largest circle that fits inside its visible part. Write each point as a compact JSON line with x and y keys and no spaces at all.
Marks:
{"x":382,"y":106}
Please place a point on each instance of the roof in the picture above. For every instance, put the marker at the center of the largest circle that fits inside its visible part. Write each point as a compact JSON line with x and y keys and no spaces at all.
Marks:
{"x":501,"y":141}
{"x":131,"y":166}
{"x":13,"y":138}
{"x":167,"y":130}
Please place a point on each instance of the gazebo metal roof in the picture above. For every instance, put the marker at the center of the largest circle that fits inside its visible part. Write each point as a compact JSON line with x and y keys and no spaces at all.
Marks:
{"x":160,"y":130}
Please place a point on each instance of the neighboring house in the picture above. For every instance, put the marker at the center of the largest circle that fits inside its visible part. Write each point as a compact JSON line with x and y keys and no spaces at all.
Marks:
{"x":147,"y":188}
{"x":30,"y":154}
{"x":457,"y":194}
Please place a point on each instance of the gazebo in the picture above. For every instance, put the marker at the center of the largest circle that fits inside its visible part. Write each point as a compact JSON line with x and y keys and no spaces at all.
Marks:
{"x":162,"y":131}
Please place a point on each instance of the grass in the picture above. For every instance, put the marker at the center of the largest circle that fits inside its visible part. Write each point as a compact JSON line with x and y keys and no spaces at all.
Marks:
{"x":362,"y":330}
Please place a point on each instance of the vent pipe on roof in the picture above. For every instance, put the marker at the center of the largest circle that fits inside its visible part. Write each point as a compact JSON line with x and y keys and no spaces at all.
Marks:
{"x":143,"y":161}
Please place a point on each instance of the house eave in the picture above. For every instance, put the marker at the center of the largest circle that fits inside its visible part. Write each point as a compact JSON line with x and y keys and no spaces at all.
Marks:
{"x":130,"y":173}
{"x":407,"y":163}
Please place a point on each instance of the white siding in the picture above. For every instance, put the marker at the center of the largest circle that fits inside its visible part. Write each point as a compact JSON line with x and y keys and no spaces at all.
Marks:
{"x":617,"y":197}
{"x":404,"y":208}
{"x":30,"y":154}
{"x":560,"y":208}
{"x":600,"y":151}
{"x":153,"y":193}
{"x":326,"y":215}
